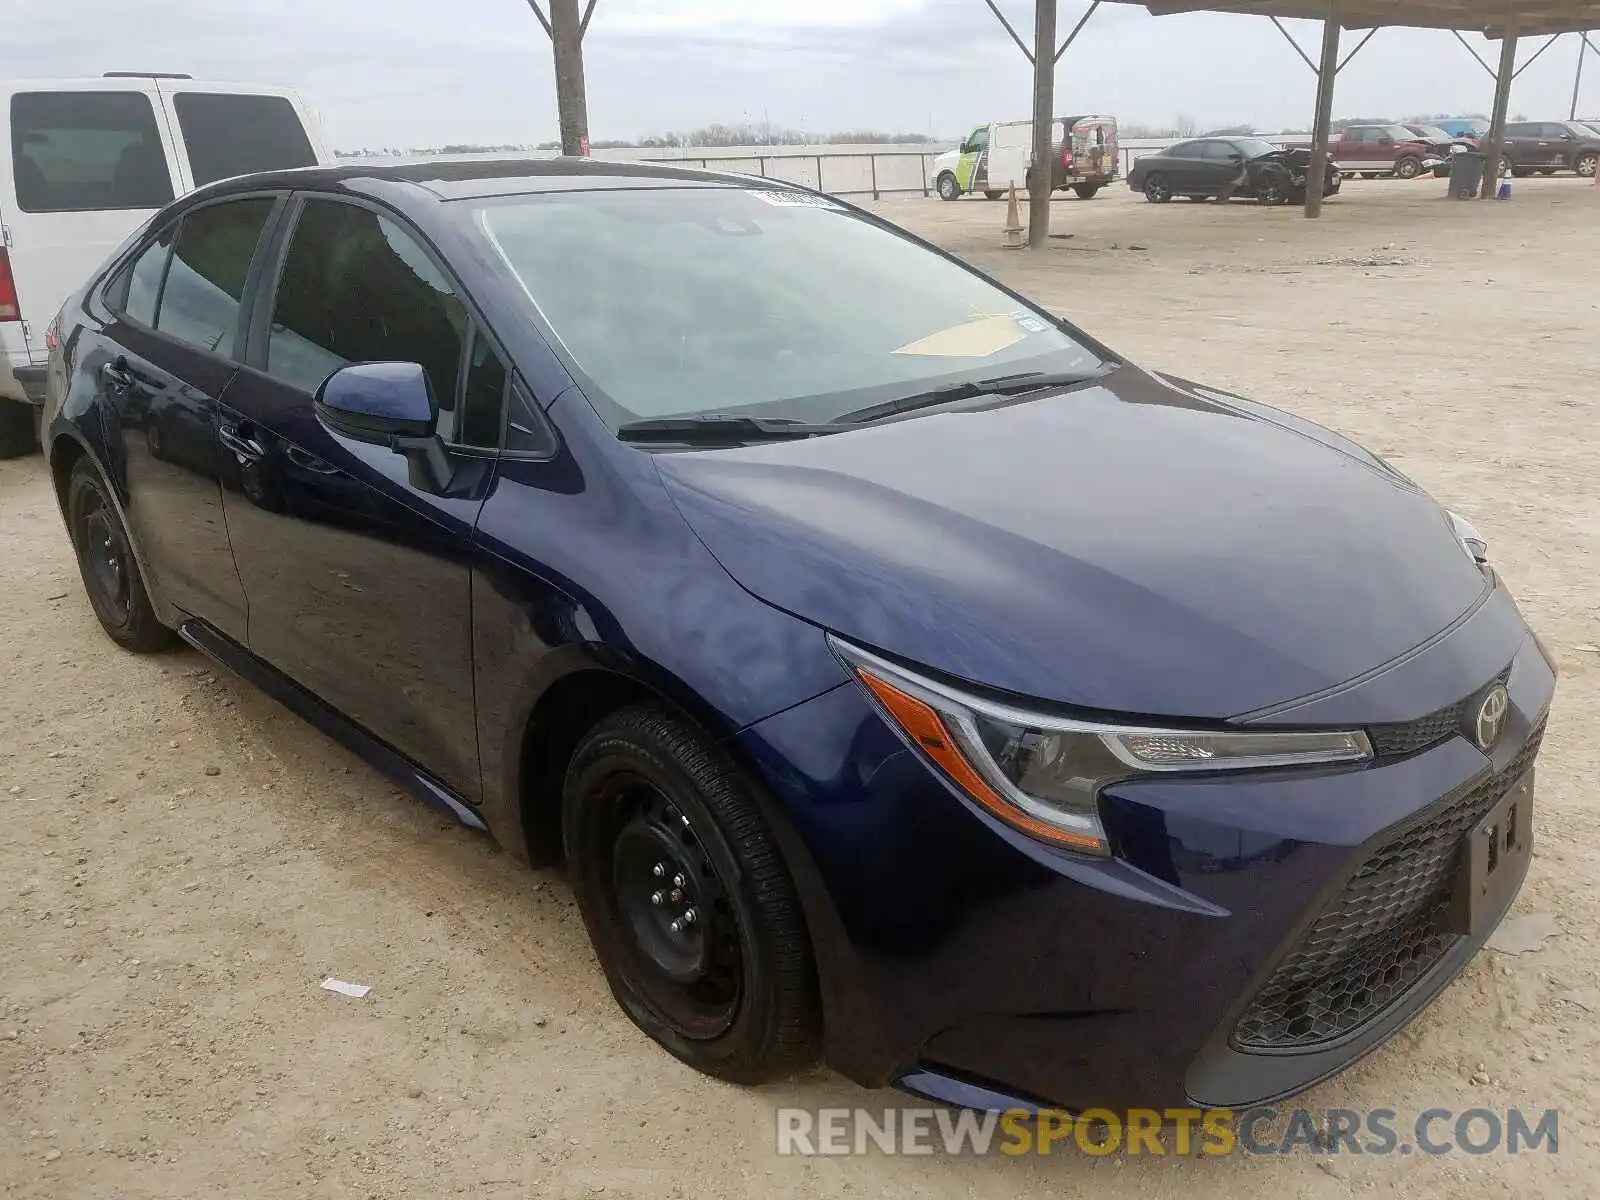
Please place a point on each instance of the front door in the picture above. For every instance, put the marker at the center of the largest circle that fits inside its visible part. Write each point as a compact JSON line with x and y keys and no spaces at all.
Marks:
{"x":972,"y":170}
{"x":358,"y":581}
{"x":159,"y":369}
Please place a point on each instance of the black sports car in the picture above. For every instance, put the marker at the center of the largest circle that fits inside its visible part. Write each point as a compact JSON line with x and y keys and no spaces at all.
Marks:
{"x":1226,"y":167}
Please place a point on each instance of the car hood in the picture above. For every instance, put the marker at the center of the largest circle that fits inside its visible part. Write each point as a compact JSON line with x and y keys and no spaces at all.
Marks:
{"x":1130,"y":546}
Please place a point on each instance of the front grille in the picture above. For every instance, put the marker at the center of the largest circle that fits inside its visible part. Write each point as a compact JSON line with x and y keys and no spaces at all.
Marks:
{"x":1380,"y":934}
{"x":1411,"y":736}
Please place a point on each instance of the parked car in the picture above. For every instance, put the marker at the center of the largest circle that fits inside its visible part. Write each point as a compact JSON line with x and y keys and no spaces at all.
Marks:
{"x":1227,"y":167}
{"x":1469,"y":127}
{"x":1084,"y":158}
{"x":90,"y":160}
{"x":902,"y":675}
{"x":1374,"y":150}
{"x":1550,"y":146}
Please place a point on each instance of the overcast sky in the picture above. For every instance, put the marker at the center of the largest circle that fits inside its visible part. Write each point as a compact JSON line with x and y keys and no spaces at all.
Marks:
{"x":429,"y":72}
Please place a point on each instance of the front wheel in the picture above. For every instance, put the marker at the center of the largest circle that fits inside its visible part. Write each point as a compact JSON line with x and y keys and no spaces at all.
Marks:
{"x":19,"y":428}
{"x":107,"y":564}
{"x":1156,"y":188}
{"x":1585,"y":165}
{"x":1408,"y":167}
{"x":1086,"y":191}
{"x":692,"y":913}
{"x":947,"y":187}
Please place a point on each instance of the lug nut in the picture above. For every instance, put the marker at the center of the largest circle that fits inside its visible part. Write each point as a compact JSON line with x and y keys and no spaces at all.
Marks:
{"x":676,"y":926}
{"x":678,"y":880}
{"x":656,"y":898}
{"x":659,"y":870}
{"x":690,"y":916}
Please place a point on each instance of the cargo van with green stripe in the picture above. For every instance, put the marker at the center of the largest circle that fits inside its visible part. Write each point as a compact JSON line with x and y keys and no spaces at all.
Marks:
{"x":994,"y":156}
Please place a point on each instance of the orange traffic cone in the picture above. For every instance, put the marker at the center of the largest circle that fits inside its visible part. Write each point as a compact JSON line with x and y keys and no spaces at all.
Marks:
{"x":1014,"y":239}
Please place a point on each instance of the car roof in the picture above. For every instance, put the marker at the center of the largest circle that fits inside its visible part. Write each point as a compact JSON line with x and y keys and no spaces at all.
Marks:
{"x":448,"y":179}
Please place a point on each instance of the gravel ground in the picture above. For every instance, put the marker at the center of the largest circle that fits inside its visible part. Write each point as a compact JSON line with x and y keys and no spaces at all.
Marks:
{"x":184,"y":862}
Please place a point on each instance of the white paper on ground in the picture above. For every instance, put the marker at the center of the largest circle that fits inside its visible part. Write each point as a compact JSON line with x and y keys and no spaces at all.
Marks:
{"x":354,"y":990}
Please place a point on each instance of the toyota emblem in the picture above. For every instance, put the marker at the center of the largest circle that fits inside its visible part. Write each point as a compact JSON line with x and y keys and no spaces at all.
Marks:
{"x":1491,"y":718}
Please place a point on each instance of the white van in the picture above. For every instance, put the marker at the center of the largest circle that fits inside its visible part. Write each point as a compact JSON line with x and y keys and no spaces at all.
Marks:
{"x":87,"y":162}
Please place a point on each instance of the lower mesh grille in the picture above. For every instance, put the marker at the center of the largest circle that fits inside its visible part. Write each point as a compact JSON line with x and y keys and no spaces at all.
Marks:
{"x":1380,"y":934}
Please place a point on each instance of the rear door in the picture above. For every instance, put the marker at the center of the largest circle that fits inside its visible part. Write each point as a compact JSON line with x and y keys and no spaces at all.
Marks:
{"x":1184,"y":166}
{"x":223,"y":130}
{"x":358,"y":582}
{"x":88,"y":166}
{"x":1521,"y":142}
{"x":158,"y":368}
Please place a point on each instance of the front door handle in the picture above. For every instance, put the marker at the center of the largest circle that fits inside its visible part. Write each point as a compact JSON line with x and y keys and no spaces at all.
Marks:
{"x":116,"y":375}
{"x":244,"y":448}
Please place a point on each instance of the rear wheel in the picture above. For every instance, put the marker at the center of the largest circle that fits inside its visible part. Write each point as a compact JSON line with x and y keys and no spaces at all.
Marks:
{"x":989,"y":195}
{"x":1086,"y":191}
{"x":19,"y":428}
{"x":946,"y":186}
{"x":692,"y":914}
{"x":1156,"y":188}
{"x":1585,"y":165}
{"x":106,"y":562}
{"x":1408,"y":167}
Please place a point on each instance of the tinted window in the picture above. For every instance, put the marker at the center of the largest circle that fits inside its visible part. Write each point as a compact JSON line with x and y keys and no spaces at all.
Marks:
{"x":483,"y":398}
{"x":1522,"y":129}
{"x":230,"y":135}
{"x":1184,"y":150}
{"x":1218,"y":149}
{"x":139,"y":290}
{"x":205,"y":283}
{"x":85,"y":151}
{"x":357,"y":288}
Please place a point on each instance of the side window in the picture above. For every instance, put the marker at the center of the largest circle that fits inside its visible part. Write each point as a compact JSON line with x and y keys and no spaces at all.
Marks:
{"x":1521,"y":130}
{"x":205,"y":283}
{"x":1184,"y":150}
{"x":527,"y":431}
{"x":138,"y":292}
{"x":979,"y":139}
{"x":483,"y":397}
{"x":230,"y":134}
{"x":356,"y":287}
{"x":87,"y":151}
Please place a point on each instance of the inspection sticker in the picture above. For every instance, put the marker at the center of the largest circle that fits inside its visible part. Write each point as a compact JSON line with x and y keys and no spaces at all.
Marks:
{"x":791,"y":199}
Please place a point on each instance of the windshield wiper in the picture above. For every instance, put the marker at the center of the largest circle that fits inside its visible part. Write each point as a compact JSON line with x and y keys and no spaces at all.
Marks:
{"x":717,"y":430}
{"x":998,"y":385}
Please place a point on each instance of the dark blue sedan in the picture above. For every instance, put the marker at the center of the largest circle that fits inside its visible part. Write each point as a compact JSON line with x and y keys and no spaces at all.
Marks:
{"x":903,"y":678}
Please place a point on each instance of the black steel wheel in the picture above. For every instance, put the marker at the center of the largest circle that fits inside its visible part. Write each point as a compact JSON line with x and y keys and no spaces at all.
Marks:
{"x":686,"y":899}
{"x":1156,"y":188}
{"x":107,"y":564}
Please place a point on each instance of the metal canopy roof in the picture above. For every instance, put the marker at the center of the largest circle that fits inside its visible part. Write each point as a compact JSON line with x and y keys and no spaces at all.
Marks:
{"x":1493,"y":18}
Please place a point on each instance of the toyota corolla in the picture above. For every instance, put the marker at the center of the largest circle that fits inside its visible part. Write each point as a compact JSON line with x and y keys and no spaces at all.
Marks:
{"x":904,"y":677}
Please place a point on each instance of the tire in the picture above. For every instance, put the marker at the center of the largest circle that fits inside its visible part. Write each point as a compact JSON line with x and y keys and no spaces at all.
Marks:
{"x":1408,"y":166}
{"x":1369,"y":174}
{"x":992,"y":195}
{"x":106,"y":562}
{"x":947,"y":187}
{"x":19,"y":428}
{"x":1156,"y":188}
{"x":1272,"y":187}
{"x":1086,"y":191}
{"x":658,"y":824}
{"x":1585,"y":166}
{"x":1516,"y":172}
{"x":1550,"y":171}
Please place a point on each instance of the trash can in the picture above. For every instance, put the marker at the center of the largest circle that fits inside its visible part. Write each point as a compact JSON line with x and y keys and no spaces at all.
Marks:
{"x":1466,"y":174}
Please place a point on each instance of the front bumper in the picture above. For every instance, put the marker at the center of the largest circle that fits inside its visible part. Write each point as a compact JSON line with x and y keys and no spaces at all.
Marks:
{"x":975,"y":966}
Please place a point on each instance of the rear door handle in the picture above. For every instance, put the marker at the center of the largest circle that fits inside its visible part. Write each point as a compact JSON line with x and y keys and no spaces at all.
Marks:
{"x":244,"y":448}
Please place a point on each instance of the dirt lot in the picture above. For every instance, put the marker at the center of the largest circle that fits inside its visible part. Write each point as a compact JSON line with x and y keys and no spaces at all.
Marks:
{"x":184,"y":862}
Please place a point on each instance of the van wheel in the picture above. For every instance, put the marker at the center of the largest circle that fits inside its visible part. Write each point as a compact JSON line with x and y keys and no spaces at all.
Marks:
{"x":947,"y":187}
{"x":686,"y":898}
{"x":19,"y":428}
{"x":106,"y":562}
{"x":990,"y":195}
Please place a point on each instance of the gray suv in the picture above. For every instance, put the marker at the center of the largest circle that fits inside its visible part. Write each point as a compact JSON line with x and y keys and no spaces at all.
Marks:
{"x":1551,"y":146}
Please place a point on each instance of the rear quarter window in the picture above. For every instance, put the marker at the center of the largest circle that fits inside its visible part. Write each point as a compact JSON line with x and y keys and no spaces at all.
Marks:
{"x":87,"y":152}
{"x":228,"y":134}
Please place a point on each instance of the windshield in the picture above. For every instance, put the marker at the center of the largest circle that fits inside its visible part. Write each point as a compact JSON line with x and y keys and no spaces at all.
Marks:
{"x":1579,"y":128}
{"x":1255,"y":147}
{"x":1432,"y":132}
{"x":690,"y":301}
{"x":1398,"y":132}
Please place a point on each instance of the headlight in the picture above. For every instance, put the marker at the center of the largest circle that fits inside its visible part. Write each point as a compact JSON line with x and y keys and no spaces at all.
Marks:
{"x":1471,"y":540}
{"x":1042,"y":773}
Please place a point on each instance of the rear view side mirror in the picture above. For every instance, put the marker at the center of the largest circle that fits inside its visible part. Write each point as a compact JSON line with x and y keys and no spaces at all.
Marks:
{"x":387,"y":404}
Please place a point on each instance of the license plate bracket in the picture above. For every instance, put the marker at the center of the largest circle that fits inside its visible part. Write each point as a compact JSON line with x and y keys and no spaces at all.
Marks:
{"x":1494,"y":858}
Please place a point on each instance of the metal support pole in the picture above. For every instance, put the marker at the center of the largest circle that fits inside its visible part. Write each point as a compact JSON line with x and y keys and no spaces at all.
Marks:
{"x":1577,"y":76}
{"x":1467,"y":46}
{"x":1044,"y":102}
{"x":1327,"y":74}
{"x":566,"y":26}
{"x":1493,"y":140}
{"x":1015,"y":37}
{"x":1345,"y":61}
{"x":1532,"y":58}
{"x":873,"y":160}
{"x":1076,"y":30}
